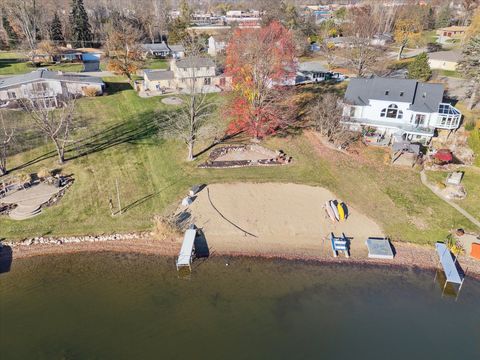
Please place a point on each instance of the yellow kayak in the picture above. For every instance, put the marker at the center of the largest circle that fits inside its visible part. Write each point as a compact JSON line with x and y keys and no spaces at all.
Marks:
{"x":341,"y":212}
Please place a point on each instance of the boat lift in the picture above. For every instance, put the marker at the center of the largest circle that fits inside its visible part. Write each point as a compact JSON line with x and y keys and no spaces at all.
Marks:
{"x":340,"y":243}
{"x":452,"y":274}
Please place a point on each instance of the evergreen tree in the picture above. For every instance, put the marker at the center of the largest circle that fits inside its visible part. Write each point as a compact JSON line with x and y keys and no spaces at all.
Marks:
{"x":185,"y":12}
{"x":444,"y":17}
{"x":11,"y":34}
{"x":469,"y":66}
{"x":81,"y":31}
{"x":56,"y":33}
{"x":419,"y":69}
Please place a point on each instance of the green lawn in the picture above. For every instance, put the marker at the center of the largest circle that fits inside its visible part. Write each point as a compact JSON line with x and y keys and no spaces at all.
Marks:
{"x":67,"y":67}
{"x":13,"y":63}
{"x":155,"y":64}
{"x":449,"y":73}
{"x":471,"y":182}
{"x":122,"y":143}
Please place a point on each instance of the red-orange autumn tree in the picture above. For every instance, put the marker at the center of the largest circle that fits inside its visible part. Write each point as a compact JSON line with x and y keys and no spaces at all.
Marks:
{"x":261,"y":62}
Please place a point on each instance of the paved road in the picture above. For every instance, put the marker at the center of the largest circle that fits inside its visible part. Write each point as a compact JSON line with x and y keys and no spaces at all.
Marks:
{"x":423,"y":178}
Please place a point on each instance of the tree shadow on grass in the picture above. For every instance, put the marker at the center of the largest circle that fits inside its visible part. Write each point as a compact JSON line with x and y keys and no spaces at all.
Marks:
{"x":150,"y":196}
{"x":9,"y":62}
{"x":143,"y":127}
{"x":112,"y":88}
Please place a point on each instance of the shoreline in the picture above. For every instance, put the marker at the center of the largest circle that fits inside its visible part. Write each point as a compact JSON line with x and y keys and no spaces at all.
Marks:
{"x":408,"y":256}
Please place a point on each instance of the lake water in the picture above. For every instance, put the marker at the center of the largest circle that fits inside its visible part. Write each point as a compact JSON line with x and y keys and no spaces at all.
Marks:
{"x":118,"y":306}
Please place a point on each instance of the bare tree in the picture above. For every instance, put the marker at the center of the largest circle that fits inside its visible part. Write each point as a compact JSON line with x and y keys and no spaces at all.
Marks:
{"x":54,"y":123}
{"x":25,"y":13}
{"x":360,"y":30}
{"x":189,"y":122}
{"x":326,"y":116}
{"x":123,"y":46}
{"x":6,"y":136}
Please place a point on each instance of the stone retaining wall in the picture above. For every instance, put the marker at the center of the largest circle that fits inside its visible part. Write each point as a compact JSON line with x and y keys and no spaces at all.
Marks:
{"x":272,"y":157}
{"x":75,"y":239}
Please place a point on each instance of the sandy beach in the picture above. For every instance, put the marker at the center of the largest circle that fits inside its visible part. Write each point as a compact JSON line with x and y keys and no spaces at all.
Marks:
{"x":266,"y":220}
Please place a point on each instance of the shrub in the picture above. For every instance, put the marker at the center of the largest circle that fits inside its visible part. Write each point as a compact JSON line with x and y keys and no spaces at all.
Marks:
{"x":469,"y":124}
{"x":90,"y":91}
{"x":165,"y":229}
{"x":43,"y":173}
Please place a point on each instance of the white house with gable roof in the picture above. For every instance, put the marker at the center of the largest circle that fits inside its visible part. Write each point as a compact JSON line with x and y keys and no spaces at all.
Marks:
{"x":412,"y":109}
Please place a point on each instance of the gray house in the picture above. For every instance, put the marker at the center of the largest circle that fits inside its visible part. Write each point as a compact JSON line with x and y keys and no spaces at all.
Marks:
{"x":163,"y":50}
{"x":45,"y":84}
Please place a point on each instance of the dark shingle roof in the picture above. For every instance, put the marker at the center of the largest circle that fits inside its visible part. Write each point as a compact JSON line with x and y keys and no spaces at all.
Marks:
{"x":191,"y":62}
{"x":422,"y":96}
{"x":156,"y":47}
{"x":159,"y":75}
{"x":45,"y":74}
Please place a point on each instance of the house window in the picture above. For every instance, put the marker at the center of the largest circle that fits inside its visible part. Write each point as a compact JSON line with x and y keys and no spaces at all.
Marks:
{"x":392,"y":111}
{"x":207,"y":81}
{"x":11,"y":95}
{"x":401,"y":93}
{"x":40,"y":86}
{"x":419,"y":119}
{"x":387,"y":92}
{"x":400,"y":114}
{"x":352,"y":111}
{"x":383,"y":112}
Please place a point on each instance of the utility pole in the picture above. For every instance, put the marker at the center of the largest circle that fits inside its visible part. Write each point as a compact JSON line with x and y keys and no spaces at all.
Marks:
{"x":118,"y":198}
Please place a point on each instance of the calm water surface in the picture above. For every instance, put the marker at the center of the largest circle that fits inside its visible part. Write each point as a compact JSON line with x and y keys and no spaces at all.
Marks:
{"x":111,"y":306}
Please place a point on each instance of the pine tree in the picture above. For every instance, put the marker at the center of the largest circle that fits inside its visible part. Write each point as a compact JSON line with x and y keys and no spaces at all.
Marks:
{"x":56,"y":33}
{"x":444,"y":17}
{"x":469,"y":66}
{"x":419,"y":69}
{"x":81,"y":31}
{"x":11,"y":34}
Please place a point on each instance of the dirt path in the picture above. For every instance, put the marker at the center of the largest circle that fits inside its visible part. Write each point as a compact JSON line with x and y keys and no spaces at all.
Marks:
{"x":423,"y":178}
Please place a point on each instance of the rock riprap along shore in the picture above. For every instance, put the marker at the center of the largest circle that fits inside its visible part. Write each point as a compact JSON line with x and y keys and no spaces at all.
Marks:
{"x":75,"y":239}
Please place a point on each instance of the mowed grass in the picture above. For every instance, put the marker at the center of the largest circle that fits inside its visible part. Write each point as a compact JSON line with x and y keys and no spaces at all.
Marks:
{"x":471,"y":182}
{"x":156,"y":64}
{"x":13,"y":63}
{"x":122,"y":142}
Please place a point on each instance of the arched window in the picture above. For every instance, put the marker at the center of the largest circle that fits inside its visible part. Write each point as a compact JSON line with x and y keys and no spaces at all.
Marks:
{"x":392,"y":111}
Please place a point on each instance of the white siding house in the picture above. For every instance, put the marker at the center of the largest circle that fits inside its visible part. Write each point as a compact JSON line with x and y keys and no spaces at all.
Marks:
{"x":47,"y":84}
{"x":403,"y":107}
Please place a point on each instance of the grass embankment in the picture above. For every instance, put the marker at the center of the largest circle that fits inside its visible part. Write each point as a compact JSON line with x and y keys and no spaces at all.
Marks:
{"x":471,"y":119}
{"x":122,"y":142}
